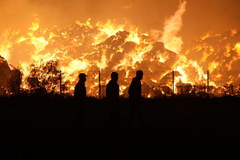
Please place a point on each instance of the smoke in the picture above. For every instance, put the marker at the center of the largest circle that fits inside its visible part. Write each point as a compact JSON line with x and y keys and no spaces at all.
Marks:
{"x":18,"y":14}
{"x":146,"y":14}
{"x":171,"y":28}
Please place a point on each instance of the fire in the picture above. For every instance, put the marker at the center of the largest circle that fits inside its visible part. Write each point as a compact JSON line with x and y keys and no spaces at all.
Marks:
{"x":109,"y":28}
{"x":237,"y":48}
{"x":183,"y":78}
{"x":53,"y":57}
{"x":213,"y":65}
{"x":34,"y":26}
{"x":5,"y":45}
{"x":205,"y":37}
{"x":39,"y":42}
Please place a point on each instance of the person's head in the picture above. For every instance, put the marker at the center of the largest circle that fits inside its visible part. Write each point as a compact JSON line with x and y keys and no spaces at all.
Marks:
{"x":139,"y":74}
{"x":82,"y":77}
{"x":114,"y":76}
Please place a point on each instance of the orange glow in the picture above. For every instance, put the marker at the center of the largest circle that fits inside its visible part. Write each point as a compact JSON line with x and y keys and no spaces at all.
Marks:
{"x":237,"y":48}
{"x":108,"y":46}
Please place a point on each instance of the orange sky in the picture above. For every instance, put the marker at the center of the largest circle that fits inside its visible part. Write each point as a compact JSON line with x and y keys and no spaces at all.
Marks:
{"x":201,"y":16}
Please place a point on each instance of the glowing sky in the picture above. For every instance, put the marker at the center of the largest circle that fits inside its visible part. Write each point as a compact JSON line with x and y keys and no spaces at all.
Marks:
{"x":201,"y":16}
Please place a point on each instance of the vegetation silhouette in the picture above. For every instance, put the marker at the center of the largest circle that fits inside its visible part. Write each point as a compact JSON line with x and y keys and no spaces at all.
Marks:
{"x":178,"y":124}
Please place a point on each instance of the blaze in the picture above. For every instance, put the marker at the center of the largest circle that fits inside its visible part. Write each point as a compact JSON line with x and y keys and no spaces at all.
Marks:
{"x":52,"y":58}
{"x":237,"y":48}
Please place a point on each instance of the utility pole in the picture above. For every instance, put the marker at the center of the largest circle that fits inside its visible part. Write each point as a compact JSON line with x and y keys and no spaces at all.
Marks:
{"x":99,"y":84}
{"x":173,"y":81}
{"x":207,"y":81}
{"x":60,"y":83}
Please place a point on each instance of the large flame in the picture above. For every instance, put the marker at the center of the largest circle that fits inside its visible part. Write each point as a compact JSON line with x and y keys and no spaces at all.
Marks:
{"x":53,"y":57}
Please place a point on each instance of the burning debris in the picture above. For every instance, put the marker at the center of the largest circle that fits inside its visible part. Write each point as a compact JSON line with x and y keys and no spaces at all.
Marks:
{"x":50,"y":59}
{"x":10,"y":79}
{"x":85,"y":48}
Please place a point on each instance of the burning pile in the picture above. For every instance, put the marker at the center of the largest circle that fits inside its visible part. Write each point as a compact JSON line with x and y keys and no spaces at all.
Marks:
{"x":43,"y":54}
{"x":50,"y":59}
{"x":10,"y":78}
{"x":46,"y":57}
{"x":220,"y":55}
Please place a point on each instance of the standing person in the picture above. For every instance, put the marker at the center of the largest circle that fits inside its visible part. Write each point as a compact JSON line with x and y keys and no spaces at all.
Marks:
{"x":112,"y":90}
{"x":80,"y":96}
{"x":135,"y":96}
{"x":112,"y":93}
{"x":135,"y":89}
{"x":80,"y":89}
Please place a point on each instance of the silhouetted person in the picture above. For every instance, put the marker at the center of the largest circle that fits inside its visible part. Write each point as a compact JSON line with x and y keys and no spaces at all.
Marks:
{"x":135,"y":89}
{"x":135,"y":96}
{"x":112,"y":90}
{"x":112,"y":93}
{"x":80,"y":89}
{"x":80,"y":96}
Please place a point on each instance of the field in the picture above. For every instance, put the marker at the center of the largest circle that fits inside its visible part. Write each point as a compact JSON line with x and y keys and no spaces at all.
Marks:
{"x":34,"y":127}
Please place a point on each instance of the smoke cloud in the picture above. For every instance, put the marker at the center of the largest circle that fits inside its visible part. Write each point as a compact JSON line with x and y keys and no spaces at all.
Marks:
{"x":201,"y":17}
{"x":171,"y":28}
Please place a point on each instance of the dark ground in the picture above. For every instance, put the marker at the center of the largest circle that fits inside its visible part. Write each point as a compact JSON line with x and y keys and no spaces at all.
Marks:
{"x":179,"y":127}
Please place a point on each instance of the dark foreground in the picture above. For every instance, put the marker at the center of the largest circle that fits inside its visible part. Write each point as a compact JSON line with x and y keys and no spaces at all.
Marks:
{"x":173,"y":128}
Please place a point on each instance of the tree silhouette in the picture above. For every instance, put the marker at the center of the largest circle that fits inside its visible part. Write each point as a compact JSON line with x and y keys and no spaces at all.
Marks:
{"x":45,"y":78}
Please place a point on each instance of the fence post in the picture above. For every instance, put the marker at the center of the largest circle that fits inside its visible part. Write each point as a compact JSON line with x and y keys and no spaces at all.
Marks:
{"x":99,"y":84}
{"x":60,"y":83}
{"x":173,"y":78}
{"x":207,"y":81}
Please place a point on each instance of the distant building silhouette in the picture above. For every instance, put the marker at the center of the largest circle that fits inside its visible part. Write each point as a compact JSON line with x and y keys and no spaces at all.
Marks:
{"x":112,"y":90}
{"x":80,"y":89}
